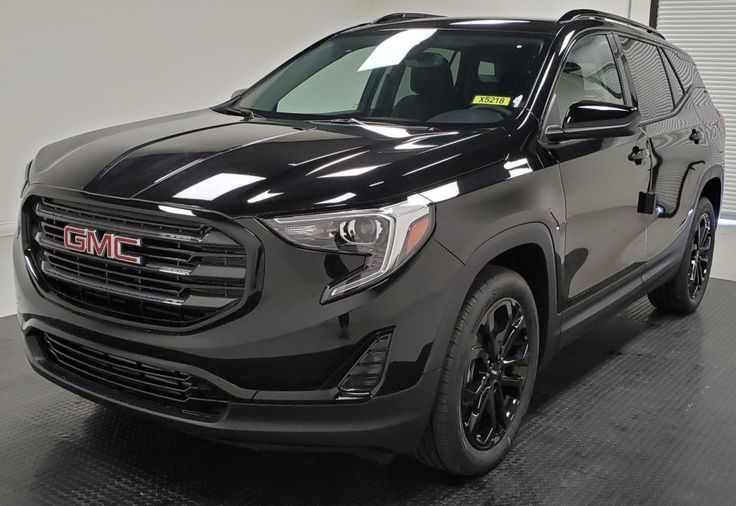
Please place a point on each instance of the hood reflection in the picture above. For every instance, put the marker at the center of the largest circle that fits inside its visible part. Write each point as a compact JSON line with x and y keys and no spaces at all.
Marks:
{"x":216,"y":186}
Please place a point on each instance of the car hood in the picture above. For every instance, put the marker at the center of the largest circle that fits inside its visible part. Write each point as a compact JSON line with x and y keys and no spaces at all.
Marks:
{"x":205,"y":159}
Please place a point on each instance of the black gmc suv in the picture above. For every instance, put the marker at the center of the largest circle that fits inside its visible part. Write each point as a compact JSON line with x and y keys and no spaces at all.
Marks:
{"x":375,"y":247}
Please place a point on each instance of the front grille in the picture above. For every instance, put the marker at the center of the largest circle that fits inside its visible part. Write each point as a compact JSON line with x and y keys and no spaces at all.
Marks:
{"x":164,"y":387}
{"x":188,"y":271}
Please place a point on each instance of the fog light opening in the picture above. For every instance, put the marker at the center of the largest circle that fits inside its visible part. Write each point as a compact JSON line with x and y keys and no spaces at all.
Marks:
{"x":367,"y":372}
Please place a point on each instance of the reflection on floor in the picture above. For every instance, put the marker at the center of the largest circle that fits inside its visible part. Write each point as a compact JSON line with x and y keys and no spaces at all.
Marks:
{"x":641,"y":410}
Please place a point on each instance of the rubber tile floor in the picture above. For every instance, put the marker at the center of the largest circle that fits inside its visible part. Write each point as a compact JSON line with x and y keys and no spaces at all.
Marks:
{"x":641,"y":410}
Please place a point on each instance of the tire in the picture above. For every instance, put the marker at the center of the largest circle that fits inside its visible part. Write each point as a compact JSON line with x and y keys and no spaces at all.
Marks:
{"x":684,"y":292}
{"x":492,"y":308}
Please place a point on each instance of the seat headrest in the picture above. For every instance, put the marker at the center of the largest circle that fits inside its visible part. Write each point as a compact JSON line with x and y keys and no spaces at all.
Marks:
{"x":430,"y":74}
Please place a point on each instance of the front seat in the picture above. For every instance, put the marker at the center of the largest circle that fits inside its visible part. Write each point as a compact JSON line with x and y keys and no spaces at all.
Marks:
{"x":431,"y":80}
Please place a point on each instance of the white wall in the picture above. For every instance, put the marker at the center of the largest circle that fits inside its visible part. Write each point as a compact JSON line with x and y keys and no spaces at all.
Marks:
{"x":77,"y":65}
{"x":548,"y":9}
{"x":71,"y":66}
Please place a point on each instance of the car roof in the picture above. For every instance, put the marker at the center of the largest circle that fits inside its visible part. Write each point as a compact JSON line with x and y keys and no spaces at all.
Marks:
{"x":572,"y":21}
{"x":470,"y":23}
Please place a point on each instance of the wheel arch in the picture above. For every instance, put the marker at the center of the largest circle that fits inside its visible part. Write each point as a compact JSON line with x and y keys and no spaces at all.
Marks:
{"x":517,"y":249}
{"x":711,"y":186}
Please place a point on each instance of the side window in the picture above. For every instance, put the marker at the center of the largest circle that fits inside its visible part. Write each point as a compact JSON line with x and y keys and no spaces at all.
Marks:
{"x":589,"y":73}
{"x":685,"y":69}
{"x":324,"y":92}
{"x":650,"y":78}
{"x":675,"y":86}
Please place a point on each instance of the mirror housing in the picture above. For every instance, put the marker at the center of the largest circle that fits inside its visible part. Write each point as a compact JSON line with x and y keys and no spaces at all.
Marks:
{"x":237,"y":93}
{"x":596,"y":120}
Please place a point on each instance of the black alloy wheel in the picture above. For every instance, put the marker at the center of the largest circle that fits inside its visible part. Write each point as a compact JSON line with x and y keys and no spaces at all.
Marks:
{"x":496,"y":375}
{"x":700,"y":256}
{"x":684,"y":292}
{"x":488,"y":376}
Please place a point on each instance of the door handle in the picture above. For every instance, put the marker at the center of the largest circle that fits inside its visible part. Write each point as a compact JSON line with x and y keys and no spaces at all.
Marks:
{"x":638,"y":155}
{"x":696,"y":137}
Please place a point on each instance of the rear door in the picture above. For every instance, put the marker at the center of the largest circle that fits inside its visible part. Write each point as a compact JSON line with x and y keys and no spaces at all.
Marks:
{"x":604,"y":236}
{"x":678,"y":145}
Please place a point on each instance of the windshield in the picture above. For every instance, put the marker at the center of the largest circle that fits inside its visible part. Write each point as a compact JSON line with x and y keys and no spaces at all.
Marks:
{"x":419,"y":76}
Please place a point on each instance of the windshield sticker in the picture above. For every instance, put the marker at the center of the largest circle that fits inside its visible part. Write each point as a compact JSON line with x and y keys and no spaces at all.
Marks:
{"x":491,"y":100}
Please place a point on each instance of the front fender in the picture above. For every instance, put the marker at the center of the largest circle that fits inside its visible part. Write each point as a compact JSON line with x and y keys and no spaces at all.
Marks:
{"x":531,"y":233}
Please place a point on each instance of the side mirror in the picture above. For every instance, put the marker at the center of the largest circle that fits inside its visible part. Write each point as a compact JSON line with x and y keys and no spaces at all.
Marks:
{"x":596,"y":120}
{"x":237,"y":93}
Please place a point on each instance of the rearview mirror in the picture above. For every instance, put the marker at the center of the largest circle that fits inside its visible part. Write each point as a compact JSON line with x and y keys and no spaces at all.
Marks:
{"x":596,"y":120}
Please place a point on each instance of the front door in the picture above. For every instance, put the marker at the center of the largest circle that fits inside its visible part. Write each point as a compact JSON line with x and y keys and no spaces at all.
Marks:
{"x":605,"y":237}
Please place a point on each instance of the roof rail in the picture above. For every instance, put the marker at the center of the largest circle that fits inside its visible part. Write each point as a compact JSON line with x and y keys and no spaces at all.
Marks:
{"x":401,"y":16}
{"x":593,"y":14}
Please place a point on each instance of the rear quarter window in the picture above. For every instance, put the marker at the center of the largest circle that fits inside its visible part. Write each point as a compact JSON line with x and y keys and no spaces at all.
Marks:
{"x":675,"y":85}
{"x":685,"y":69}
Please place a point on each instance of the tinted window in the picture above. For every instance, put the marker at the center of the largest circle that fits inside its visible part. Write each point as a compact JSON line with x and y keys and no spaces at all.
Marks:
{"x":589,"y":73}
{"x":451,"y":56}
{"x":405,"y":85}
{"x":686,"y":70}
{"x":333,"y":88}
{"x":650,"y":78}
{"x":677,"y":91}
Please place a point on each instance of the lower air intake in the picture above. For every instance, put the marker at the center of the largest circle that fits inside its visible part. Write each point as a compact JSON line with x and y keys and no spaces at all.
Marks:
{"x":163,"y":388}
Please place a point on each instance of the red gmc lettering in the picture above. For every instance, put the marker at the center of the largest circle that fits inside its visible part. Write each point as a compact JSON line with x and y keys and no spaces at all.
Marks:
{"x":75,"y":239}
{"x":84,"y":240}
{"x":99,"y":247}
{"x":118,"y":249}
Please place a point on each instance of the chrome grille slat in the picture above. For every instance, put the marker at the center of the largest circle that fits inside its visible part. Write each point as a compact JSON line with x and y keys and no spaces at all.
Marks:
{"x":97,"y":224}
{"x":189,"y":272}
{"x":122,"y":272}
{"x":57,"y":239}
{"x":130,"y":216}
{"x":58,"y":270}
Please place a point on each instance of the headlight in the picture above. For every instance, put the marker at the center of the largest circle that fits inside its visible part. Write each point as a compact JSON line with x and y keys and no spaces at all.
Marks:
{"x":387,"y":237}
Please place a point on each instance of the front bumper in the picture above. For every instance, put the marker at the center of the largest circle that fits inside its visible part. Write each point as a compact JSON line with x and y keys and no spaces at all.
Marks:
{"x":279,"y":364}
{"x":391,"y":423}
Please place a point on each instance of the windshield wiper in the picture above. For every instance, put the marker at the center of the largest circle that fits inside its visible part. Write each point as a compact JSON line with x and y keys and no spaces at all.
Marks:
{"x":245,"y":113}
{"x":350,"y":120}
{"x":355,"y":121}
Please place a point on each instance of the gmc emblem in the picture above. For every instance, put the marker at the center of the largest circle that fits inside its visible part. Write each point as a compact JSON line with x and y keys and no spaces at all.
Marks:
{"x":84,"y":240}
